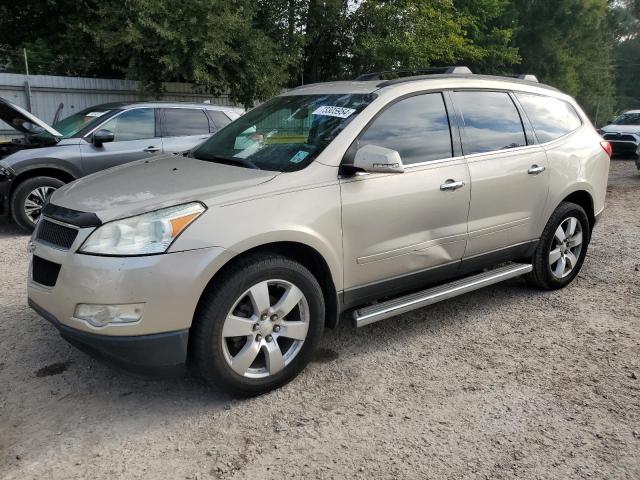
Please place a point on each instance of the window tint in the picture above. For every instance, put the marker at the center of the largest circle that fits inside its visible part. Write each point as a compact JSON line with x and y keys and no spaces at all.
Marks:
{"x":219,"y":118}
{"x":416,"y":127}
{"x":491,"y":121}
{"x":136,"y":124}
{"x":551,"y":118}
{"x":182,"y":122}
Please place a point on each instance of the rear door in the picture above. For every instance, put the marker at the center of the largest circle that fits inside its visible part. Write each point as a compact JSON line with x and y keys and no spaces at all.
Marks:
{"x":135,"y":137}
{"x":183,"y":128}
{"x":404,"y":230}
{"x":508,"y":172}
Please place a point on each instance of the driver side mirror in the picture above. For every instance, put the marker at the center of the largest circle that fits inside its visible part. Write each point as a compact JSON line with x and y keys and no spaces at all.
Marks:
{"x":375,"y":159}
{"x":102,"y":136}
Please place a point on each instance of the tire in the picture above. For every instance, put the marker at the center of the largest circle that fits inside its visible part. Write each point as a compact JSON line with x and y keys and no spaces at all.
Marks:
{"x":549,"y":272}
{"x":27,"y":195}
{"x":220,"y":359}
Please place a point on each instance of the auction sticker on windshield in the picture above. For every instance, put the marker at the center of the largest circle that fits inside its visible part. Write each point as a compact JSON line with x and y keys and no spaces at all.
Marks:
{"x":330,"y":111}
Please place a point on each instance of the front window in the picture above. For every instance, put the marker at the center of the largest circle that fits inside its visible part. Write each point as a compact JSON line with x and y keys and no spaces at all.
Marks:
{"x":134,"y":124}
{"x":71,"y":125}
{"x":285,"y":134}
{"x":627,"y":119}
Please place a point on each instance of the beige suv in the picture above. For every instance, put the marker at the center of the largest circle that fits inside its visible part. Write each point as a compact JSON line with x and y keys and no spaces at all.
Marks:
{"x":360,"y":199}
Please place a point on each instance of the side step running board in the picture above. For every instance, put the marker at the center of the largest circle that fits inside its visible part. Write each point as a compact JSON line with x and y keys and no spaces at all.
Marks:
{"x":397,"y":306}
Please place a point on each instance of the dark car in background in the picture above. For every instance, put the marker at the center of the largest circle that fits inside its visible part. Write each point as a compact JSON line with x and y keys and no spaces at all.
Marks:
{"x":46,"y":157}
{"x":623,"y":133}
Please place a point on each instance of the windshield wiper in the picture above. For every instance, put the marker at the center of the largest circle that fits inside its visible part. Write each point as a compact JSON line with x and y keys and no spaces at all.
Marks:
{"x":228,"y":160}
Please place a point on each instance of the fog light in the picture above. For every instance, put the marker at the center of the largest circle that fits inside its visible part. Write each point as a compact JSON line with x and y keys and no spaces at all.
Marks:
{"x":101,"y":315}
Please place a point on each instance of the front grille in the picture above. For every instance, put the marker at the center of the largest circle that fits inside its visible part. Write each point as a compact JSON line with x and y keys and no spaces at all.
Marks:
{"x":56,"y":234}
{"x":620,"y":138}
{"x":44,"y":272}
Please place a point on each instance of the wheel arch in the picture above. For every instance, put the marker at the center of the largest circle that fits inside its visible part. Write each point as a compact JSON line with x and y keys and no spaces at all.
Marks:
{"x":301,"y":253}
{"x":61,"y":174}
{"x":585,"y":200}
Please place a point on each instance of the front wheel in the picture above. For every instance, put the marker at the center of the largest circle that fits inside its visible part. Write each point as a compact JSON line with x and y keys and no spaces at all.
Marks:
{"x":562,"y":247}
{"x":258,"y":326}
{"x":29,"y":198}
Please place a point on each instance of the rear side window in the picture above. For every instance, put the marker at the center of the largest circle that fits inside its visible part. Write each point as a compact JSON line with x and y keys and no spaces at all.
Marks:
{"x":551,"y":117}
{"x":416,"y":127}
{"x":183,"y":122}
{"x":220,"y":119}
{"x":491,"y":122}
{"x":134,"y":124}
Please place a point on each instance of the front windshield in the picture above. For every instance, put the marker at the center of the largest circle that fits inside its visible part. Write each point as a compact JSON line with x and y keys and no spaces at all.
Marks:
{"x":627,"y":119}
{"x":71,"y":125}
{"x":285,"y":134}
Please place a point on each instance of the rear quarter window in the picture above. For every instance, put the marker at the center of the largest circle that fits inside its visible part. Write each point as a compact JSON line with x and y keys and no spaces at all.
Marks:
{"x":551,"y":117}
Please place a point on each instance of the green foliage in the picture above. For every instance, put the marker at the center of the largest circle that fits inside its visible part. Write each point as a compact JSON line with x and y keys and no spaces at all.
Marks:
{"x":569,"y":45}
{"x":254,"y":48}
{"x":207,"y":42}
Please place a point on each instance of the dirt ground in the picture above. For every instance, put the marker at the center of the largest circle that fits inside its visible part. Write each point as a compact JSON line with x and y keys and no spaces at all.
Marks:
{"x":506,"y":382}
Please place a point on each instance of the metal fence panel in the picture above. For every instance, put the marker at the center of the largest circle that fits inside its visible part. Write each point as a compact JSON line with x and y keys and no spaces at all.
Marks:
{"x":78,"y":93}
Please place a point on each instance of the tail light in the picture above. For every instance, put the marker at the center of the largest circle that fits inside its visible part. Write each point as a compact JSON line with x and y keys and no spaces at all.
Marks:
{"x":606,"y":146}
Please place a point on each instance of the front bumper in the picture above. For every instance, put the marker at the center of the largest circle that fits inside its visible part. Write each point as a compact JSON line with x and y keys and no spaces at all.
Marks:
{"x":169,"y":286}
{"x":143,"y":353}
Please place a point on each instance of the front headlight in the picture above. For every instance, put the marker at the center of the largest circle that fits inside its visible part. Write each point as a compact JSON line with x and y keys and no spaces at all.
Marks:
{"x":144,"y":234}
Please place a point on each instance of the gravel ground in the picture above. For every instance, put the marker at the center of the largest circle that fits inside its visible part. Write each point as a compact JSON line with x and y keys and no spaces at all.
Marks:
{"x":506,"y":382}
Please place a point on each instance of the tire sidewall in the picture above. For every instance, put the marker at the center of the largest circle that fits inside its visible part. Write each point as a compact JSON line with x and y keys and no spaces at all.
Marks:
{"x":565,"y":211}
{"x":213,"y":313}
{"x":19,"y":197}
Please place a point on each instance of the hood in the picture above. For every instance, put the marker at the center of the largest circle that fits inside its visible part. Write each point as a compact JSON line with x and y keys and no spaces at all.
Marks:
{"x":621,"y":129}
{"x":147,"y":185}
{"x":23,"y":121}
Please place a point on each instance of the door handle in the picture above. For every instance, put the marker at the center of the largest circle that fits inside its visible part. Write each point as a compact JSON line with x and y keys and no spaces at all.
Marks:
{"x":451,"y":185}
{"x":152,"y":149}
{"x":535,"y":170}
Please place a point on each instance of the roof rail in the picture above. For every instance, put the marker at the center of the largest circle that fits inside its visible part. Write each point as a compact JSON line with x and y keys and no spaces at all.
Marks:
{"x":527,"y":76}
{"x":417,"y":71}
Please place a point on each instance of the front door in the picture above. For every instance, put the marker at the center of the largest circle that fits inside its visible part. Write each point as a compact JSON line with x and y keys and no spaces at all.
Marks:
{"x":403,"y":230}
{"x":508,"y":172}
{"x":134,"y":138}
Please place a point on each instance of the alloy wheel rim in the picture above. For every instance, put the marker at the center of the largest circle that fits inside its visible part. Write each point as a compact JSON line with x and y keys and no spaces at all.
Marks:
{"x":265,"y":329}
{"x":35,"y":202}
{"x":566,"y":248}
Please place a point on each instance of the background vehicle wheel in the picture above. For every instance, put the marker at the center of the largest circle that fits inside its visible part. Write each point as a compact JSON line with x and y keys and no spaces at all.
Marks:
{"x":28,"y":199}
{"x":562,"y":248}
{"x":258,"y":326}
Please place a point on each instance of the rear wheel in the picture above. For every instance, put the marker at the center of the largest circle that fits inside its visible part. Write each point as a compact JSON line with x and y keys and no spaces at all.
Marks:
{"x":562,"y":247}
{"x":259,"y":325}
{"x":29,"y":198}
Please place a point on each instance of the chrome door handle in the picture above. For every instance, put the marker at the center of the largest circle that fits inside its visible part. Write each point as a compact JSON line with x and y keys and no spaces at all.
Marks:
{"x":535,"y":170}
{"x":451,"y":185}
{"x":152,"y":149}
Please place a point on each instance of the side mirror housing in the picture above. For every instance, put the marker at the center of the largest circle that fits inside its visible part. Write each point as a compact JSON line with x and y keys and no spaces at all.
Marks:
{"x":102,"y":136}
{"x":375,"y":159}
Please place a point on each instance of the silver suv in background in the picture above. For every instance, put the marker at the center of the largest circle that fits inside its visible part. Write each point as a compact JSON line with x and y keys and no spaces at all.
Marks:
{"x":360,"y":199}
{"x":623,"y":133}
{"x":99,"y":137}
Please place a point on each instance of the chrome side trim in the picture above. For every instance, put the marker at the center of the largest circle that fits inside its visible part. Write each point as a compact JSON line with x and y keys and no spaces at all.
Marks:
{"x":397,"y":306}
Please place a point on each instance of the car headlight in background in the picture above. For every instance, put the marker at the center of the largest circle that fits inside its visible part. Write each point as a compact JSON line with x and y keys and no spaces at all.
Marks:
{"x":144,"y":234}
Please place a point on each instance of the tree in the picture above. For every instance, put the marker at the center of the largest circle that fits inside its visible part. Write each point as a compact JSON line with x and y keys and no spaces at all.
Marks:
{"x":421,"y":33}
{"x":569,"y":45}
{"x":211,"y":43}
